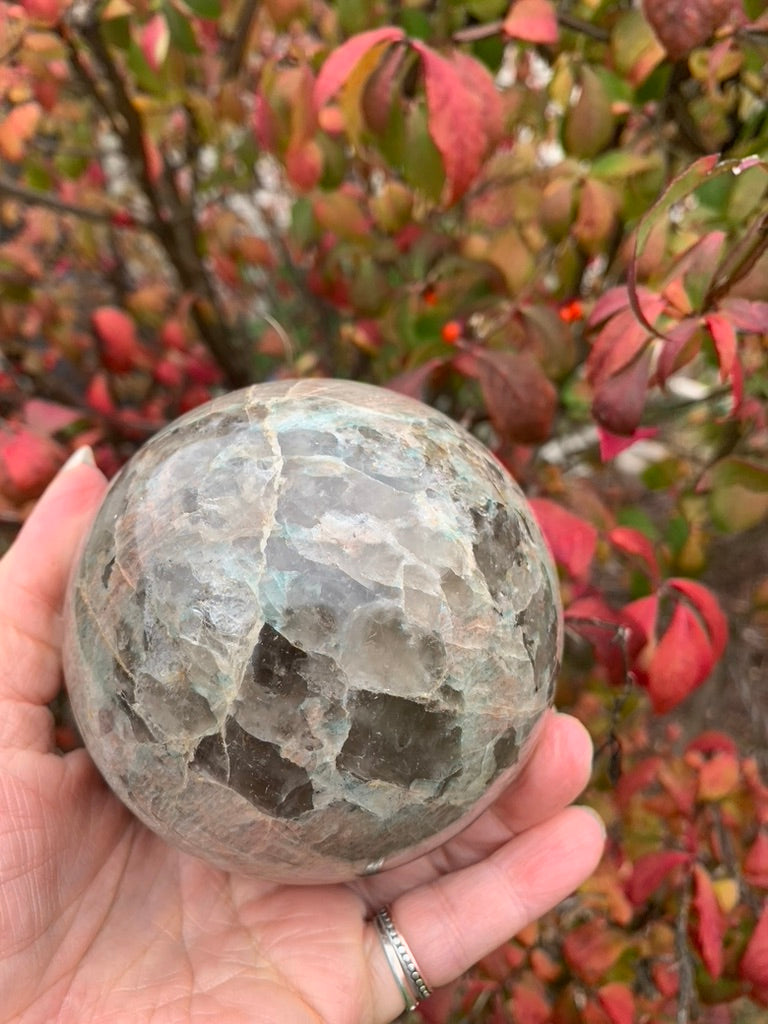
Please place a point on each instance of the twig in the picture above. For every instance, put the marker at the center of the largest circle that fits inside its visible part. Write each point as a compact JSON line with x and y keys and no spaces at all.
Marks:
{"x":475,"y":33}
{"x":685,"y":993}
{"x":36,"y":198}
{"x":172,"y":217}
{"x":240,"y":38}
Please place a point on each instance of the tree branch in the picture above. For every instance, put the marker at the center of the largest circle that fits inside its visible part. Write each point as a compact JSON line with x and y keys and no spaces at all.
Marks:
{"x":172,"y":220}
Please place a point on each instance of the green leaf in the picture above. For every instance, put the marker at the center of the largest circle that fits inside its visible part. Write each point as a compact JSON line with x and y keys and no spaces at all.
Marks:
{"x":738,"y":498}
{"x":422,"y":163}
{"x":182,"y":36}
{"x":208,"y":9}
{"x":144,"y":76}
{"x":621,"y":163}
{"x":117,"y":32}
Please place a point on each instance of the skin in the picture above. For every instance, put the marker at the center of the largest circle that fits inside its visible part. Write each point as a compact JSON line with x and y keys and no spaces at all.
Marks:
{"x":101,"y":922}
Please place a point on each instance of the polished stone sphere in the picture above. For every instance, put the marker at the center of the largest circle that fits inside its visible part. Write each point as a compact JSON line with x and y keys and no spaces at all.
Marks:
{"x":312,"y":631}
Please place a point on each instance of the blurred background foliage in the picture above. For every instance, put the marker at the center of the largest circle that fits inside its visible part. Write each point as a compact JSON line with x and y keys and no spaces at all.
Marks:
{"x":550,"y":220}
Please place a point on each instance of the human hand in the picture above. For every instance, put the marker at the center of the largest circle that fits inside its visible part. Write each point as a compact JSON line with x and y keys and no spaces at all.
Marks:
{"x":101,"y":921}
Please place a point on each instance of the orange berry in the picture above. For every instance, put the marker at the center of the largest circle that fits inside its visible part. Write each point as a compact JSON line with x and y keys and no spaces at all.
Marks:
{"x":451,"y":332}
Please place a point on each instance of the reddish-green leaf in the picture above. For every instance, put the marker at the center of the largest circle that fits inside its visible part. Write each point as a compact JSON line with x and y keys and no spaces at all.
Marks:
{"x":620,"y":341}
{"x":343,"y":59}
{"x":709,"y":929}
{"x":682,"y":25}
{"x":589,"y":123}
{"x":572,"y":540}
{"x":718,"y":776}
{"x":154,"y":40}
{"x":533,"y":21}
{"x":519,"y":398}
{"x":650,"y":870}
{"x":619,"y":401}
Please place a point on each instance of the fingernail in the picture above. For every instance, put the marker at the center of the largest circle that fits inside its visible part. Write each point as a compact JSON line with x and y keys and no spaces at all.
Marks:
{"x":595,"y":815}
{"x":80,"y":457}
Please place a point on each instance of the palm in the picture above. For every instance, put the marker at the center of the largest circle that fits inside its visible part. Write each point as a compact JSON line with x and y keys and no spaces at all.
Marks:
{"x":102,"y":921}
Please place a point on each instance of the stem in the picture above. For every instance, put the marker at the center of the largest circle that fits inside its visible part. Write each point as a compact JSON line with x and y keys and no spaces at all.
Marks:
{"x":239,"y":41}
{"x":686,"y":991}
{"x":33,"y":197}
{"x":476,"y":32}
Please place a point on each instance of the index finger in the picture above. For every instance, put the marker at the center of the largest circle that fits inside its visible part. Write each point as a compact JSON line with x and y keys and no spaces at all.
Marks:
{"x":33,"y":580}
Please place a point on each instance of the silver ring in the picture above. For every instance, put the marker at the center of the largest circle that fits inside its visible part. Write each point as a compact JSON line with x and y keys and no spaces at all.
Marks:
{"x":401,"y":961}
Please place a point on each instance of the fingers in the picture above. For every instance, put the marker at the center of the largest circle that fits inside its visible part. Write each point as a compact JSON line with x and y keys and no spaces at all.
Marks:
{"x":455,"y":920}
{"x":554,"y":776}
{"x":33,"y":578}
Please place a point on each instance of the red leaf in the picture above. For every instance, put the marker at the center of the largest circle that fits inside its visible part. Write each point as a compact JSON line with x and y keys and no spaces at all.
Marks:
{"x":571,"y":539}
{"x":618,"y":402}
{"x":154,"y":41}
{"x":612,"y":445}
{"x":611,"y":302}
{"x":479,"y":83}
{"x":455,"y":121}
{"x":341,"y":62}
{"x":754,"y":964}
{"x":681,"y":661}
{"x":747,"y":315}
{"x":534,"y":21}
{"x":116,"y":331}
{"x":756,"y":862}
{"x":681,"y":344}
{"x":520,"y":399}
{"x":710,"y":928}
{"x":651,"y":870}
{"x":724,"y":336}
{"x":591,"y":949}
{"x":718,"y":777}
{"x":599,"y":624}
{"x":49,"y":417}
{"x":618,"y":1002}
{"x":713,"y":742}
{"x":415,"y":381}
{"x":28,"y":462}
{"x":529,"y":1005}
{"x":98,"y":395}
{"x":632,"y":542}
{"x":617,"y":344}
{"x":706,"y":604}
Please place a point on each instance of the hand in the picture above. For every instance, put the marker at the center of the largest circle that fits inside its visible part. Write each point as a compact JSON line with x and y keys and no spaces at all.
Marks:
{"x":101,"y":921}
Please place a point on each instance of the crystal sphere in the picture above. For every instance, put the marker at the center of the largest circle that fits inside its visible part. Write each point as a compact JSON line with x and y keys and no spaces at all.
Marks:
{"x":312,"y":631}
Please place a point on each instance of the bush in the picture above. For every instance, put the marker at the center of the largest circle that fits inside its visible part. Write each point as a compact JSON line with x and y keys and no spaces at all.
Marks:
{"x":548,"y":220}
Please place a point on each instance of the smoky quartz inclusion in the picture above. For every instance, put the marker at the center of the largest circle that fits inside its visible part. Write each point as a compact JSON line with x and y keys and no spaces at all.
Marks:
{"x":312,"y":630}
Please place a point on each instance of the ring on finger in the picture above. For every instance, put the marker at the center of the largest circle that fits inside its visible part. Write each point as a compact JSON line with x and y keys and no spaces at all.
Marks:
{"x":401,"y":960}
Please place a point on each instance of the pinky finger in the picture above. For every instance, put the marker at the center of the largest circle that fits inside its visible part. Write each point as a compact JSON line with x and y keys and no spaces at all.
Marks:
{"x":453,"y":922}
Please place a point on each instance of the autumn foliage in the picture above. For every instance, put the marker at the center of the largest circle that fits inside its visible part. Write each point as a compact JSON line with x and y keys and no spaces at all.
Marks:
{"x":547,"y":218}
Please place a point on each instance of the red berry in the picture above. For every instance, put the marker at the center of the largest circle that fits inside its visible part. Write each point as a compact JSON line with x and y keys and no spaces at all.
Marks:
{"x":451,"y":332}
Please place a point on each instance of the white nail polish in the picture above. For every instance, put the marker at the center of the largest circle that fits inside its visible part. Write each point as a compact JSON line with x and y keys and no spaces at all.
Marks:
{"x":80,"y":457}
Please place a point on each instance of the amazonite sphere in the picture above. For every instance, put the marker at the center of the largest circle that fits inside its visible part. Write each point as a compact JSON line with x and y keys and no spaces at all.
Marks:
{"x":312,"y":631}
